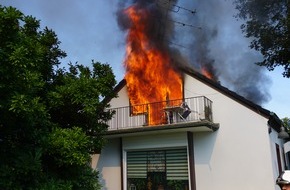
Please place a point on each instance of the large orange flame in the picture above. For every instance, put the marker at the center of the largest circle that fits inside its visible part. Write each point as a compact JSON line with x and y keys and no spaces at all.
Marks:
{"x":149,"y":75}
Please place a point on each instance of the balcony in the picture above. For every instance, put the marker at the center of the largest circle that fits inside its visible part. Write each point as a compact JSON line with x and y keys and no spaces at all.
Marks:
{"x":172,"y":113}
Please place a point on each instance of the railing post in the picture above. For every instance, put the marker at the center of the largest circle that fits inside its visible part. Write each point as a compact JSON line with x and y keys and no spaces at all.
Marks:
{"x":117,"y":114}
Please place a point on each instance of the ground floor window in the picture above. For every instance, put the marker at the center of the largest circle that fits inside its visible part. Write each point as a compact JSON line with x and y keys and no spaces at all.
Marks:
{"x":157,"y":170}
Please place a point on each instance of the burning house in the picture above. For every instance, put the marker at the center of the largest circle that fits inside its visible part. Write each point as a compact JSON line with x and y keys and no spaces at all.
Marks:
{"x":177,"y":128}
{"x":222,"y":141}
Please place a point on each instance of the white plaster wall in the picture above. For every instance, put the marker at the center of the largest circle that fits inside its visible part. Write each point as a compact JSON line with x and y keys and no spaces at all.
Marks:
{"x":237,"y":156}
{"x":155,"y":141}
{"x":121,"y":100}
{"x":108,"y":163}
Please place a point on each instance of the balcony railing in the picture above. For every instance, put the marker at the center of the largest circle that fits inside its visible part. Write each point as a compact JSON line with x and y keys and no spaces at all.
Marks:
{"x":162,"y":113}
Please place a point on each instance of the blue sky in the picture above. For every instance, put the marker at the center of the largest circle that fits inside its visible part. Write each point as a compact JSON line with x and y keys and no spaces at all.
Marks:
{"x":89,"y":30}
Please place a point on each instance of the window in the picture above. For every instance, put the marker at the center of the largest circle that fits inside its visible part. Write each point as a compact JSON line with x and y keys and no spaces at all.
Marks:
{"x":157,"y":169}
{"x":278,"y":158}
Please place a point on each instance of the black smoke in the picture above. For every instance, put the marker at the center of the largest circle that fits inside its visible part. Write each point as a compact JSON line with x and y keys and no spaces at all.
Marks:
{"x":210,"y":37}
{"x":158,"y":26}
{"x":221,"y":44}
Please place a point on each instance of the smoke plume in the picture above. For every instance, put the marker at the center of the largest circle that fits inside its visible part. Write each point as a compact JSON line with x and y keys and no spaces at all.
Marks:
{"x":210,"y":37}
{"x":158,"y":26}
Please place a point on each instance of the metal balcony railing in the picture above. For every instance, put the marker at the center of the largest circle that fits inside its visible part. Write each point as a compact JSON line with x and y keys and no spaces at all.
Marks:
{"x":162,"y":113}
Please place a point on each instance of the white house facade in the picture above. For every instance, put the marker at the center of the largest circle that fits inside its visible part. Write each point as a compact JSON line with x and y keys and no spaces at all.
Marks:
{"x":223,"y":142}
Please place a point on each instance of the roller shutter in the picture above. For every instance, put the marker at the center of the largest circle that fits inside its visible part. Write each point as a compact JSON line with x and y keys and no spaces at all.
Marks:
{"x":174,"y":163}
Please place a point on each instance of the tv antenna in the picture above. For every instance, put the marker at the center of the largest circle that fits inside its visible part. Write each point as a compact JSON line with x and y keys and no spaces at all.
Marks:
{"x":170,"y":6}
{"x":177,"y":8}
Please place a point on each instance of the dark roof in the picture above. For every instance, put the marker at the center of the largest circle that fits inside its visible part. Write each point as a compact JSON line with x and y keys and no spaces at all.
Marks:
{"x":120,"y":85}
{"x":273,"y":121}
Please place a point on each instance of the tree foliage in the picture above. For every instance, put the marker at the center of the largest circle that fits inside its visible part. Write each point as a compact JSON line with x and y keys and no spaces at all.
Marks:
{"x":268,"y":26}
{"x":286,"y":123}
{"x":51,"y":119}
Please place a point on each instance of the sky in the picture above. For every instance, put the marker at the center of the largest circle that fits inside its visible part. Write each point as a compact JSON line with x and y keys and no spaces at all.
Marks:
{"x":89,"y":30}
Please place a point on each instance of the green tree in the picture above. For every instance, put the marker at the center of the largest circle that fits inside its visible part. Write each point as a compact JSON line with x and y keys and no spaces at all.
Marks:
{"x":51,"y":119}
{"x":286,"y":123}
{"x":267,"y":23}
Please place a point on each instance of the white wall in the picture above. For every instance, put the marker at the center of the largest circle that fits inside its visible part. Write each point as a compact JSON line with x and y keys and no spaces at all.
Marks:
{"x":108,"y":163}
{"x":237,"y":156}
{"x":155,"y":141}
{"x":122,"y":100}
